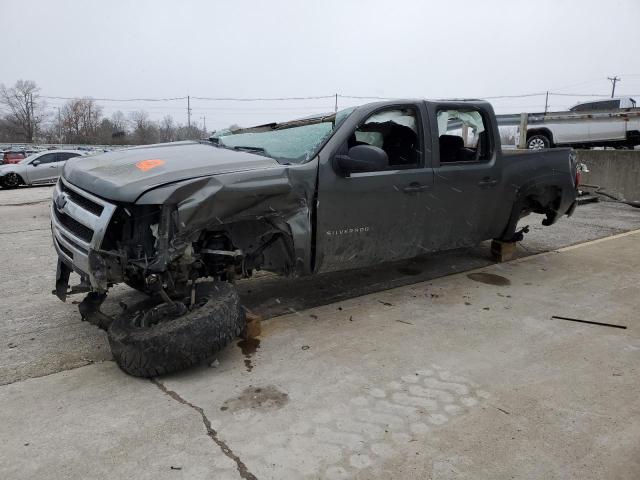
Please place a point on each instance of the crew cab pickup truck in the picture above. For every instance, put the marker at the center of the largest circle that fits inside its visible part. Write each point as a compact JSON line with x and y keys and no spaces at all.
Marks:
{"x":376,"y":183}
{"x":605,"y":123}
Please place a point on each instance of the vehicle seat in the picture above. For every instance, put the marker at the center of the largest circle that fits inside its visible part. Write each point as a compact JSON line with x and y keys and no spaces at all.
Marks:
{"x":451,"y":149}
{"x":400,"y":145}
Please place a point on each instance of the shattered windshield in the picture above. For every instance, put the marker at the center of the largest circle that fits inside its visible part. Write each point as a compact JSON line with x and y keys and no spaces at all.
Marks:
{"x":288,"y":142}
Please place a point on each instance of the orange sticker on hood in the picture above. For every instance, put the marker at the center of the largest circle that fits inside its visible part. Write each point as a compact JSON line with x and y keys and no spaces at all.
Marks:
{"x":145,"y":165}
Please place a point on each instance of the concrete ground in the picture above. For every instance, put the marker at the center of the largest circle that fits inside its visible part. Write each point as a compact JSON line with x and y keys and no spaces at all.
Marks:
{"x":444,"y":376}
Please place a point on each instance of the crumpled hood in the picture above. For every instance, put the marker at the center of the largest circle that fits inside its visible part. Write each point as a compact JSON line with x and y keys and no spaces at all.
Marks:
{"x":124,"y":175}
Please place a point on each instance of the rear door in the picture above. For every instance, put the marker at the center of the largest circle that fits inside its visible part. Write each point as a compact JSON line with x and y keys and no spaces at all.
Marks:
{"x":367,"y":218}
{"x":607,"y":127}
{"x":466,"y":206}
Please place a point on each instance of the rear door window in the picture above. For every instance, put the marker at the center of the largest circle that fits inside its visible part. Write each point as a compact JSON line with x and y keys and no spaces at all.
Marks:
{"x":463,"y":136}
{"x":64,"y":156}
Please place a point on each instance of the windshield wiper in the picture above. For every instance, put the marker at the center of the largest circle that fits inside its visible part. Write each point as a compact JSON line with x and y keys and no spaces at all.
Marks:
{"x":249,"y":149}
{"x":256,"y":150}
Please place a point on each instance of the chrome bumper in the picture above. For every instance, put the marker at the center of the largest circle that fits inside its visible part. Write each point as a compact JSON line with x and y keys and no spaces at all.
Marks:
{"x":79,"y":221}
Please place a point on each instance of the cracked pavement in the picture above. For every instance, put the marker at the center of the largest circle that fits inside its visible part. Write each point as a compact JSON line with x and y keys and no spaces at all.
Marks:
{"x":410,"y":370}
{"x":242,"y":468}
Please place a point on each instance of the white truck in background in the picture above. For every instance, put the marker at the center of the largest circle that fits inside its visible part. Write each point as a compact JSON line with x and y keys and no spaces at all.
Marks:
{"x":613,"y":122}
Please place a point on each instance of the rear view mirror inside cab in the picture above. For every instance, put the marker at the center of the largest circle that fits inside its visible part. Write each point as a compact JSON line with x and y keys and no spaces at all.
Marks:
{"x":462,"y":136}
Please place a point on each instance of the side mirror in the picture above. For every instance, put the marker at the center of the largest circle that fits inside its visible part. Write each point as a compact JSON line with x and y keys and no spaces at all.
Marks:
{"x":362,"y":158}
{"x":35,"y":163}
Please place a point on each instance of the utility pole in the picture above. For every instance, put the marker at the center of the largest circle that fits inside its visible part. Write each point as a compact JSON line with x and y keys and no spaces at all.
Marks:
{"x":336,"y":107}
{"x":204,"y":122}
{"x":614,"y":80}
{"x":546,"y":102}
{"x":59,"y":127}
{"x":30,"y":119}
{"x":188,"y":111}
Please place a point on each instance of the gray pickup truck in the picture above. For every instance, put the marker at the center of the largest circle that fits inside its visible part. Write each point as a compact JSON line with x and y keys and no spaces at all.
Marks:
{"x":380,"y":182}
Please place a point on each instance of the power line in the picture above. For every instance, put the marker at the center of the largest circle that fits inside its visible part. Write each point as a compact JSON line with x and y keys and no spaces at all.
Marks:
{"x":314,"y":97}
{"x":188,"y":111}
{"x":117,"y":99}
{"x":365,"y":98}
{"x":515,"y":96}
{"x":260,"y":99}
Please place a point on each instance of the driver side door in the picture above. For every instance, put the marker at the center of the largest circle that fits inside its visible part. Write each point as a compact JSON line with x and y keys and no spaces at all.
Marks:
{"x":45,"y":170}
{"x":371,"y":217}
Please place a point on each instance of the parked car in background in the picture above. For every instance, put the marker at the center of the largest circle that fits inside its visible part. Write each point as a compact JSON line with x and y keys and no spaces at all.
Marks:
{"x":39,"y":168}
{"x":613,"y":122}
{"x":11,"y":157}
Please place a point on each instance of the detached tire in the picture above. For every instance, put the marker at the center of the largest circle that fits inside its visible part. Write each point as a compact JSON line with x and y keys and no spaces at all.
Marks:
{"x":177,"y":343}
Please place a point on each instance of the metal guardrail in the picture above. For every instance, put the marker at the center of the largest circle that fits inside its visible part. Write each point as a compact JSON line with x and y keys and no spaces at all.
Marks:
{"x":513,"y":119}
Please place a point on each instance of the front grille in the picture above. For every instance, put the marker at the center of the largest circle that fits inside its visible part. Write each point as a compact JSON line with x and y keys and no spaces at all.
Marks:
{"x":82,"y":201}
{"x":75,"y":227}
{"x":66,"y":251}
{"x":74,"y":244}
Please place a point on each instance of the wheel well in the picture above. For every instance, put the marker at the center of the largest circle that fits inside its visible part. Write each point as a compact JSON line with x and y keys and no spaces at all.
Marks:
{"x":544,"y":201}
{"x":633,"y":136}
{"x":264,"y":245}
{"x":540,"y":131}
{"x":16,"y":174}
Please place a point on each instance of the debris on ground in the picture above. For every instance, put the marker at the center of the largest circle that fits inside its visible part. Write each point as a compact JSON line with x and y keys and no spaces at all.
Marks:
{"x":589,"y":322}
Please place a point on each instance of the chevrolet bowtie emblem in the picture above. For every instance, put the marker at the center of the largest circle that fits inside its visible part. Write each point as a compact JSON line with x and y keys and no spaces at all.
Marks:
{"x":61,"y":201}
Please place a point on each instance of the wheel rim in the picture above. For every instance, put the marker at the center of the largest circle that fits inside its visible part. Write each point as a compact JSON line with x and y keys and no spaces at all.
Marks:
{"x":11,"y":180}
{"x":159,"y":314}
{"x":536,"y":144}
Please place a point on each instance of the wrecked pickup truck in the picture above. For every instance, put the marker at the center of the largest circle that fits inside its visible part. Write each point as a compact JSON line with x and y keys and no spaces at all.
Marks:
{"x":377,"y":183}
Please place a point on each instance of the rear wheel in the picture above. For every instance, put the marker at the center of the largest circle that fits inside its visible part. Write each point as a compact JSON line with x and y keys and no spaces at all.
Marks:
{"x":152,"y":338}
{"x":11,"y":180}
{"x":538,"y":142}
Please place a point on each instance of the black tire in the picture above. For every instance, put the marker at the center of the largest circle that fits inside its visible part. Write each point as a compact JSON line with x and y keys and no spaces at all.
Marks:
{"x":538,"y":142}
{"x":11,"y":180}
{"x":179,"y":343}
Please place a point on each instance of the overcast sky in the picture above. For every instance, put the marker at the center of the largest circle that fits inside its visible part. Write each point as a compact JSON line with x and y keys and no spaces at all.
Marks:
{"x":394,"y":48}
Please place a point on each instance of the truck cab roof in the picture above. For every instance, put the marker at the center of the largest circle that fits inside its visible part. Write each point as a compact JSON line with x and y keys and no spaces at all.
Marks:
{"x":608,"y":104}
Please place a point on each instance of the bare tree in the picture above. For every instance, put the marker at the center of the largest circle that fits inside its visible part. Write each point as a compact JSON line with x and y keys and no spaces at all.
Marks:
{"x":119,"y":128}
{"x":184,"y":132}
{"x":167,"y":129}
{"x":80,"y":120}
{"x":26,"y":110}
{"x":119,"y":121}
{"x":145,"y":131}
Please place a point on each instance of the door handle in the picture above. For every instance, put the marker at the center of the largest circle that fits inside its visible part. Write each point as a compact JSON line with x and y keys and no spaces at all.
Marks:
{"x":487,"y":182}
{"x":414,"y":187}
{"x":53,"y":166}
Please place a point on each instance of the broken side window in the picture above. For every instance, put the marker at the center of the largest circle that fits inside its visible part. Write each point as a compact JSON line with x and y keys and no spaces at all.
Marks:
{"x":395,"y":131}
{"x":463,"y":136}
